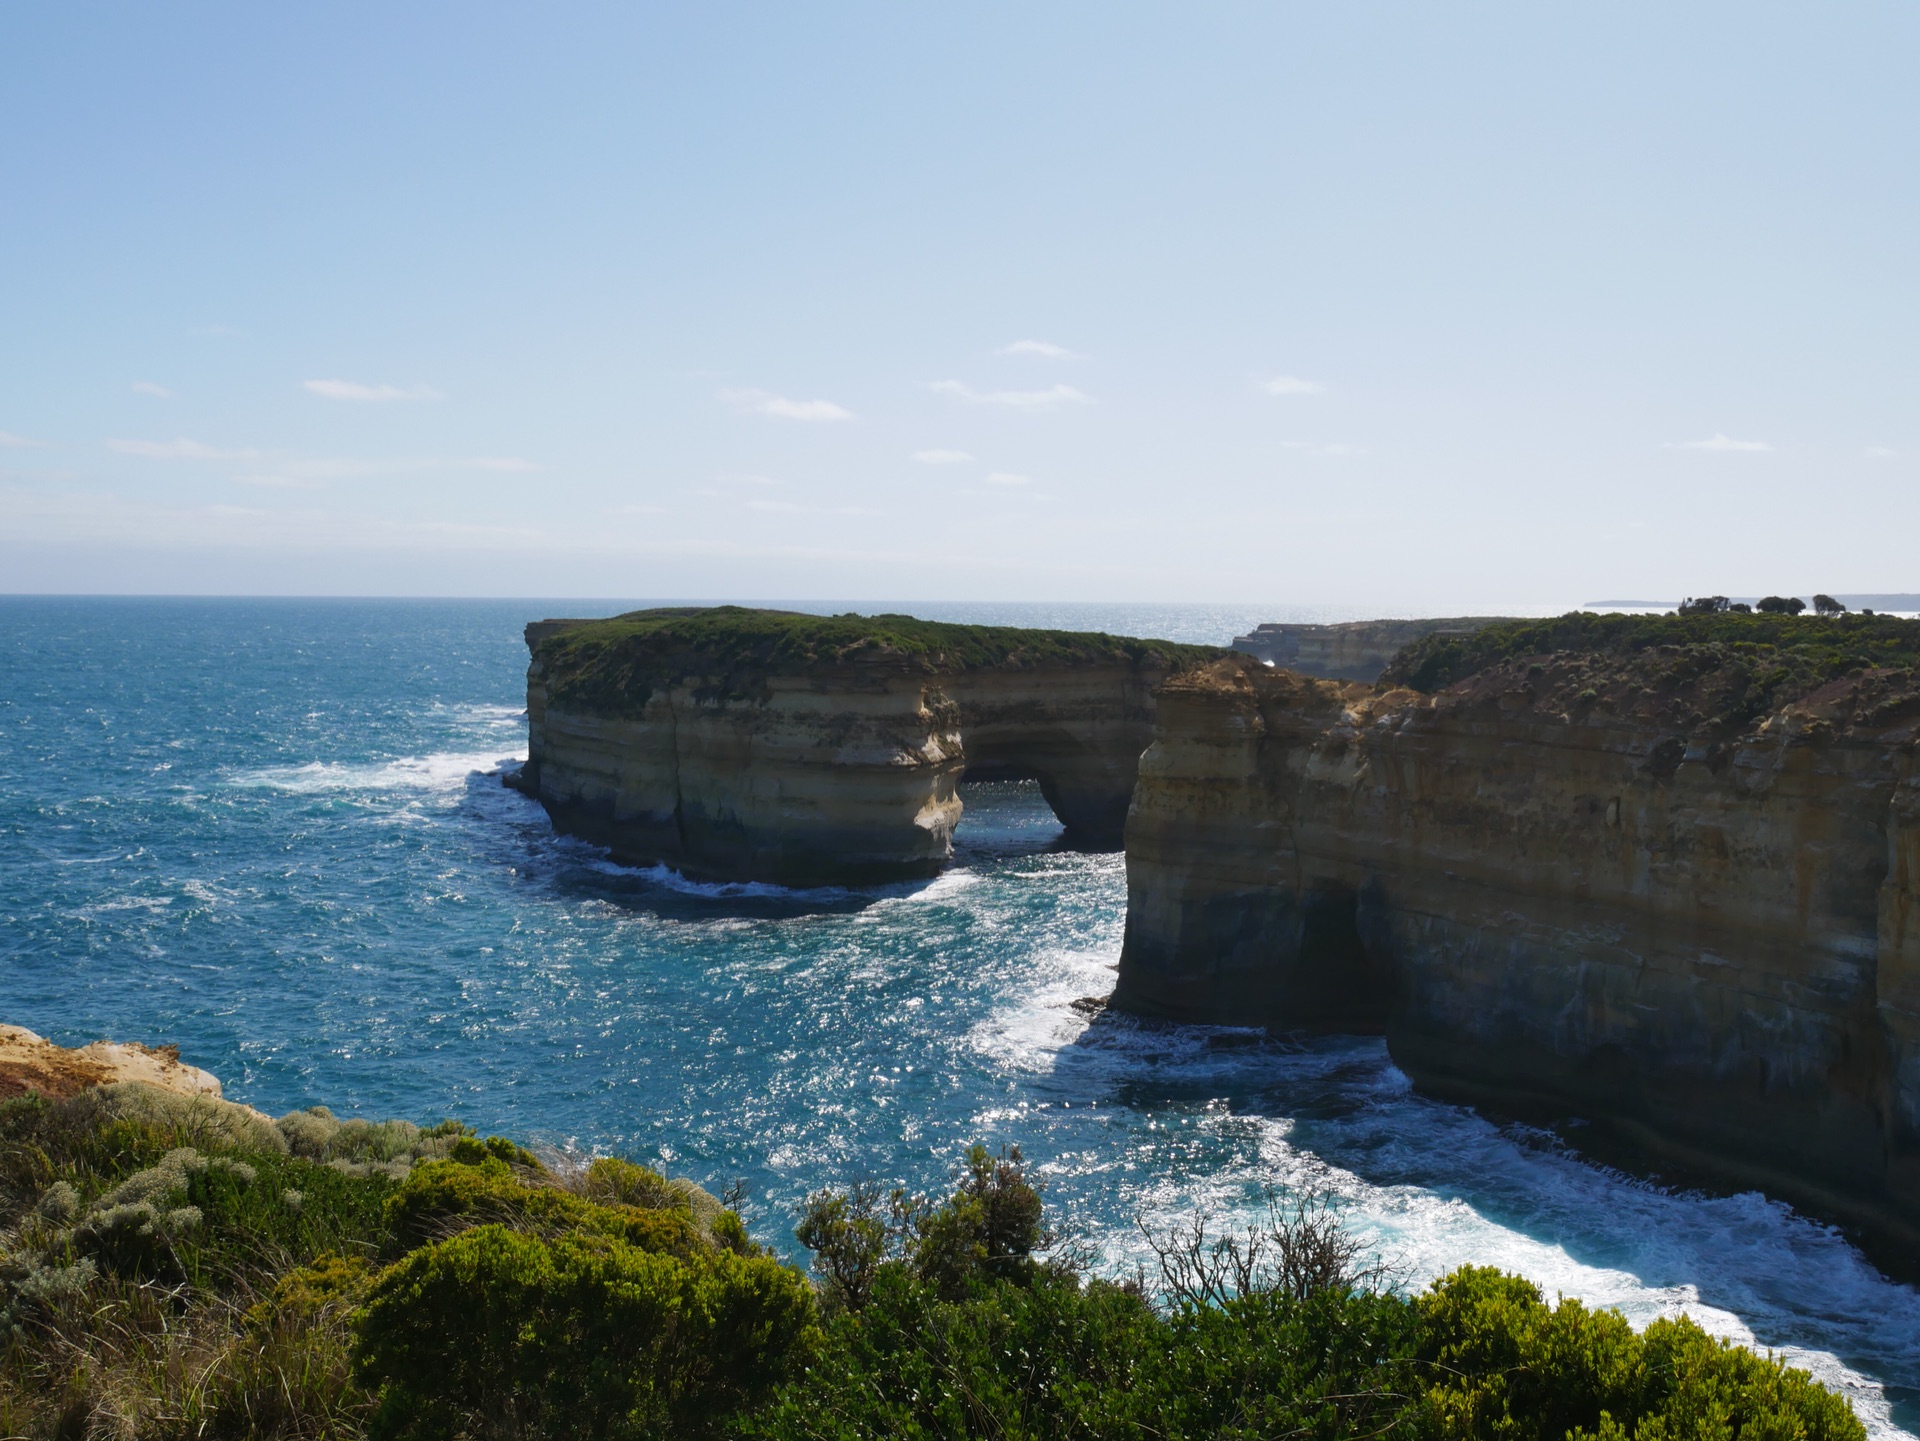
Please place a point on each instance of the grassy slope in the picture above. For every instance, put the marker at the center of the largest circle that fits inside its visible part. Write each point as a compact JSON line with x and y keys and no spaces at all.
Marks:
{"x":614,"y":665}
{"x":1776,"y":659}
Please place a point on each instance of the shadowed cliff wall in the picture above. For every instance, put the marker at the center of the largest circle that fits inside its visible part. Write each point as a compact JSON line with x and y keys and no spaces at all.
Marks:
{"x":1568,"y":882}
{"x":750,"y":745}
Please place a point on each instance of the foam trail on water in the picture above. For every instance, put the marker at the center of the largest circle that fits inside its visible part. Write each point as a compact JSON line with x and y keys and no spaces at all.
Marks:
{"x":1432,"y":1187}
{"x":443,"y":771}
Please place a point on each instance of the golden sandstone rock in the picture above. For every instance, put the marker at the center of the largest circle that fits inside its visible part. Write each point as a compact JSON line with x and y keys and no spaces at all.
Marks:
{"x":736,"y":744}
{"x":31,"y":1063}
{"x":1560,"y":885}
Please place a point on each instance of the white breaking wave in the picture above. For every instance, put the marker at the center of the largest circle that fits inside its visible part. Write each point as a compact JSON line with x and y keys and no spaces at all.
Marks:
{"x":443,"y":771}
{"x":1743,"y":1267}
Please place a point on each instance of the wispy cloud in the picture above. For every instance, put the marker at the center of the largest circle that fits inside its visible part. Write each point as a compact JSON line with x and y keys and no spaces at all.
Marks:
{"x":1292,"y":385}
{"x":1007,"y":477}
{"x":764,"y":402}
{"x":1045,"y":349}
{"x":941,"y":457}
{"x":303,"y":470}
{"x":10,"y":441}
{"x":376,"y":394}
{"x":1879,"y":452}
{"x":181,"y":449}
{"x":1018,"y":399}
{"x":787,"y":507}
{"x":1720,"y":442}
{"x":148,"y":387}
{"x":280,"y":482}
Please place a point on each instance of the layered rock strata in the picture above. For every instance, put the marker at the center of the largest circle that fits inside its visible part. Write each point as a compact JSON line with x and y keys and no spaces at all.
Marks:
{"x":1347,"y":650}
{"x":1567,"y":883}
{"x":742,"y":745}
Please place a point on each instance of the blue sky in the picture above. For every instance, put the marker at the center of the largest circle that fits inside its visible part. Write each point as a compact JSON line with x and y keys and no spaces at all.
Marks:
{"x":1392,"y":306}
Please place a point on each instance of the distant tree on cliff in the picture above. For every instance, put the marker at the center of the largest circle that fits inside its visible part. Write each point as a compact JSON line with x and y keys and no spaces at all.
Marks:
{"x":1705,"y":605}
{"x":1827,"y":605}
{"x":1781,"y":605}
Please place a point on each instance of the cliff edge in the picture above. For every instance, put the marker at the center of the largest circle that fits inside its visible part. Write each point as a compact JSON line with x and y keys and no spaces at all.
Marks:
{"x":740,"y":744}
{"x":31,"y":1063}
{"x":1659,"y":872}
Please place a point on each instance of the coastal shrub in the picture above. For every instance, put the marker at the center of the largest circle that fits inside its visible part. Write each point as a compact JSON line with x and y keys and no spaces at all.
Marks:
{"x":987,"y":1230}
{"x":1505,"y":1365}
{"x":851,"y":1234}
{"x":1784,"y":656}
{"x":1780,"y":605}
{"x":499,"y":1333}
{"x":1285,"y":1329}
{"x":317,"y":1135}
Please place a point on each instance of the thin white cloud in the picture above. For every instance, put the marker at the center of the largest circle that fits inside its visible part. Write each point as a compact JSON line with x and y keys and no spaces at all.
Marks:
{"x":10,"y":441}
{"x":1721,"y":443}
{"x":1045,"y":349}
{"x":148,"y":387}
{"x":1291,"y":385}
{"x":180,"y":449}
{"x":941,"y":457}
{"x":787,"y":507}
{"x":377,"y":394}
{"x":1879,"y":452}
{"x":1017,"y":399}
{"x":280,"y":482}
{"x":1006,"y":477}
{"x":763,"y":402}
{"x":512,"y":464}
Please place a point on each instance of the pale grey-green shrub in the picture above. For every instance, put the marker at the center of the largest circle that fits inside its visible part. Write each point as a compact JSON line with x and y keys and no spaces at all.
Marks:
{"x":205,"y":1122}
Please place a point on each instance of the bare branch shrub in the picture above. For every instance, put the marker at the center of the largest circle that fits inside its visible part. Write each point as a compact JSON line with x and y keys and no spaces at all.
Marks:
{"x":1299,"y":1249}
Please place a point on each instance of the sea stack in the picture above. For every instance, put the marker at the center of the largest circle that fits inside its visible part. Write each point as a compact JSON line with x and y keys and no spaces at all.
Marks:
{"x":755,"y":745}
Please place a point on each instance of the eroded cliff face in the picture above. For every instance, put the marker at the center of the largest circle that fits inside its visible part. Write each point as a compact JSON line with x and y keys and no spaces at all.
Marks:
{"x":842,"y":770}
{"x":1563,"y":884}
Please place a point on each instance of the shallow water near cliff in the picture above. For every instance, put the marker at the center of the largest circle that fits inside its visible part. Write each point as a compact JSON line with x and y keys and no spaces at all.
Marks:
{"x":273,"y":832}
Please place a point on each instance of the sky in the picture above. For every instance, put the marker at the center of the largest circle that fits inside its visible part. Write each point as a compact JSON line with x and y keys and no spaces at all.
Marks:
{"x":1404,"y":306}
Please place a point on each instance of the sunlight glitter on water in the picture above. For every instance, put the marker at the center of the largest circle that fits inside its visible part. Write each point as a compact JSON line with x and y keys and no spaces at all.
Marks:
{"x":328,"y":897}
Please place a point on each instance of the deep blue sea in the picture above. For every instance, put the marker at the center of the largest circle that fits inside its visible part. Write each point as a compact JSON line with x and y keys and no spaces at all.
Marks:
{"x":273,"y":832}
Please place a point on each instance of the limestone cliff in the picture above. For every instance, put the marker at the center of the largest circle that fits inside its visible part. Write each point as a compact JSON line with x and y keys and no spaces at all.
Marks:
{"x":1670,"y":888}
{"x":757,"y":745}
{"x":31,"y":1063}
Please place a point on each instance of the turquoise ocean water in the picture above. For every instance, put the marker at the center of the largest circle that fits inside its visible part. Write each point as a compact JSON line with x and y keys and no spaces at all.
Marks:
{"x":273,"y":833}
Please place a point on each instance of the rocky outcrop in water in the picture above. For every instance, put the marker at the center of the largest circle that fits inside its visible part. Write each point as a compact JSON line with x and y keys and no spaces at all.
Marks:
{"x":736,"y":744}
{"x":1672,"y":890}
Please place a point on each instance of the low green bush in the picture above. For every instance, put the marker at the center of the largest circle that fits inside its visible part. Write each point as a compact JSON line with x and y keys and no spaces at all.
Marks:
{"x":501,"y":1333}
{"x":171,"y":1268}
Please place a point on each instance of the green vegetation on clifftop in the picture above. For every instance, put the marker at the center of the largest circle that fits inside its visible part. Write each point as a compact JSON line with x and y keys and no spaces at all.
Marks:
{"x":1783,"y":657}
{"x":614,"y":665}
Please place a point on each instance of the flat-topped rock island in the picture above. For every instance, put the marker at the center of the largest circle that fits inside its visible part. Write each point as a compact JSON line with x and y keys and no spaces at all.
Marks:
{"x":754,"y":745}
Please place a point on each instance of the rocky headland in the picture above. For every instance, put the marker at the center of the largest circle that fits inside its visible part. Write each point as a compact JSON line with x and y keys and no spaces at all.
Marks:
{"x":1656,"y":872}
{"x":1347,"y":650}
{"x":737,"y":744}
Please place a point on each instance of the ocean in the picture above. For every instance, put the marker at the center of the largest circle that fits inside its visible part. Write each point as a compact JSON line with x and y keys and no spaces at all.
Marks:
{"x":273,"y":832}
